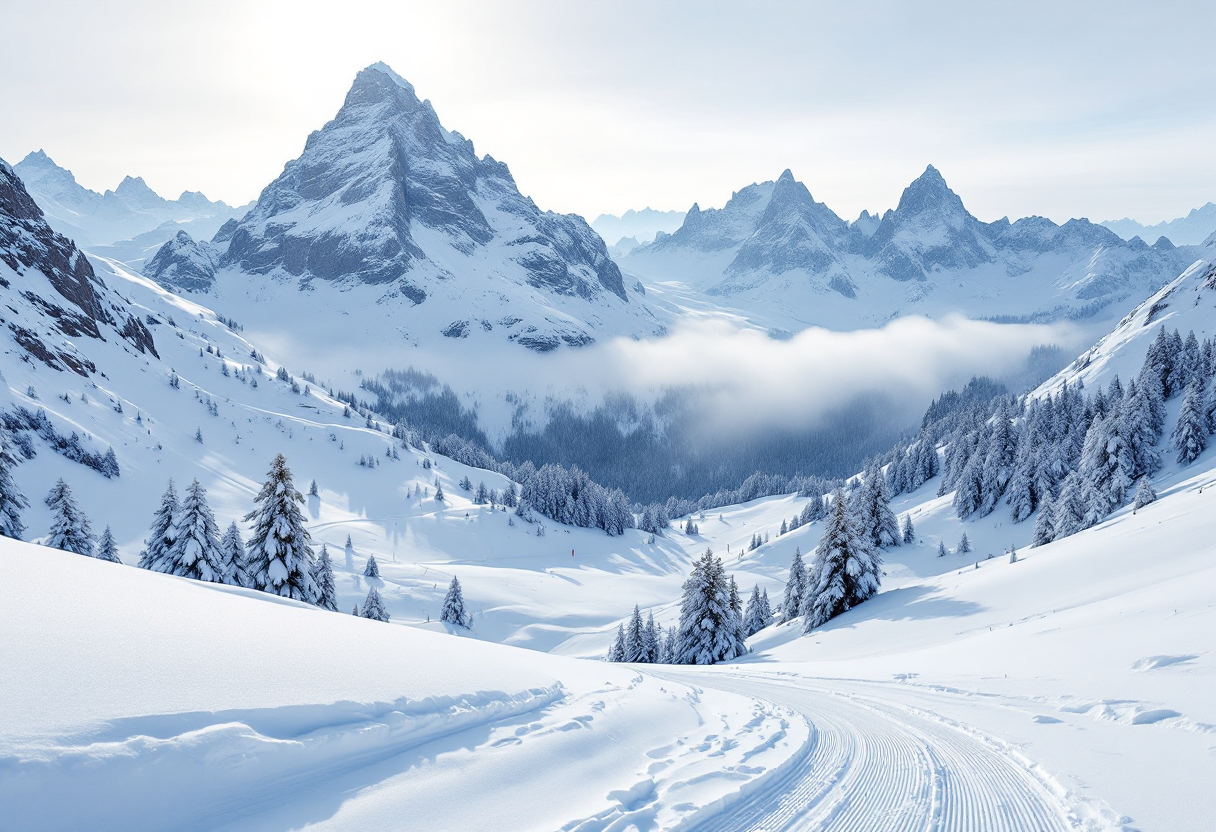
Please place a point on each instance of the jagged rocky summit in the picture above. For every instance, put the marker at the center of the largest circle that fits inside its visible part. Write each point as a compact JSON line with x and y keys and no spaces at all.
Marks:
{"x":386,"y":204}
{"x":772,"y":248}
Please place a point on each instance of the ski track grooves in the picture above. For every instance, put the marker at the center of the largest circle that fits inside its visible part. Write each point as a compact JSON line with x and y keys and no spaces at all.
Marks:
{"x":875,"y":767}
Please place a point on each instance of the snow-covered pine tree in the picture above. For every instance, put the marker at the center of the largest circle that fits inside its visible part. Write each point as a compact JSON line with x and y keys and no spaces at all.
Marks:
{"x":349,"y":551}
{"x":1144,"y":494}
{"x":754,"y":619}
{"x":736,"y":619}
{"x":196,"y":546}
{"x":236,"y":570}
{"x":323,"y":577}
{"x":1044,"y":523}
{"x":706,"y":632}
{"x":466,"y":484}
{"x":70,"y":529}
{"x":371,"y":569}
{"x":1190,"y":436}
{"x":634,"y":648}
{"x":651,"y":640}
{"x":846,"y":570}
{"x":373,"y":607}
{"x":941,"y":549}
{"x":783,"y":530}
{"x":616,"y":653}
{"x":766,"y":609}
{"x":1070,"y":507}
{"x":12,"y":501}
{"x":908,"y":532}
{"x":312,"y":489}
{"x":482,"y":495}
{"x":670,"y":654}
{"x":454,"y":611}
{"x":107,"y":550}
{"x":438,"y":492}
{"x":964,"y":545}
{"x":160,"y":537}
{"x":795,"y":588}
{"x":280,"y":553}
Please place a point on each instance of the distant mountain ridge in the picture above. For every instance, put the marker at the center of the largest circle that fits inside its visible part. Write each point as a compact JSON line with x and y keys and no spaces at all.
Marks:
{"x":1193,"y":229}
{"x":386,"y":209}
{"x":642,"y":225}
{"x":773,"y":250}
{"x":131,"y":209}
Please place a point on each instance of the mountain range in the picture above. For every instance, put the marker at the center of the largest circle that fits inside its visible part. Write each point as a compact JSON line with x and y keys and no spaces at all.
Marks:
{"x":1195,"y":228}
{"x":130,"y":210}
{"x":780,"y":256}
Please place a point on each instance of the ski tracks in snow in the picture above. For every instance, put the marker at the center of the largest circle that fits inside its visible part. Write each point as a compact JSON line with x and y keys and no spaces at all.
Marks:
{"x":880,"y":766}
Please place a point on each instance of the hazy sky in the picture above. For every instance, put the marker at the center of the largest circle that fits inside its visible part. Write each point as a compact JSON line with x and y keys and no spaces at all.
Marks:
{"x":1063,"y":109}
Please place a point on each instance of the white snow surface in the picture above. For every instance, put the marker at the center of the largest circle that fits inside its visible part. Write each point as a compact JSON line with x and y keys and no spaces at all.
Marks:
{"x":144,"y":701}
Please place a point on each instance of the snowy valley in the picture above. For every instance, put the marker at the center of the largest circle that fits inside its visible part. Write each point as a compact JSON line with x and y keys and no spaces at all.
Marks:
{"x":998,"y":616}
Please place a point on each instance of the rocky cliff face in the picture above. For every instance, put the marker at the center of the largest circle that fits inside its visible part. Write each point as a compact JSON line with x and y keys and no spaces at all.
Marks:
{"x":52,"y":293}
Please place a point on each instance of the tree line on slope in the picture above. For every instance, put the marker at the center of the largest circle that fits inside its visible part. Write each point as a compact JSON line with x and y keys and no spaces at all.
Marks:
{"x":185,"y":540}
{"x":846,"y":571}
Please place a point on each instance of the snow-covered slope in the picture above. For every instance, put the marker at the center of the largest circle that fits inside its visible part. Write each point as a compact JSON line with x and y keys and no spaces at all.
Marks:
{"x":129,"y":211}
{"x":390,"y":217}
{"x":138,"y":701}
{"x":788,"y":261}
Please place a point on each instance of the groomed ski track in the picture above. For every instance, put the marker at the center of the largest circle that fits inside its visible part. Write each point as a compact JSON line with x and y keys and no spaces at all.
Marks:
{"x":877,"y":766}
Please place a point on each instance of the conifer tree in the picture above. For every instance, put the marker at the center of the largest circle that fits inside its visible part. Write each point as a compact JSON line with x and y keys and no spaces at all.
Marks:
{"x":438,"y":492}
{"x":1190,"y":436}
{"x":196,"y":545}
{"x":616,"y":653}
{"x":373,"y":607}
{"x":1070,"y":508}
{"x":795,"y":588}
{"x":371,"y":569}
{"x":964,"y":545}
{"x":323,"y":577}
{"x":651,"y":640}
{"x":706,"y":630}
{"x":766,"y":609}
{"x":454,"y":611}
{"x":754,"y":618}
{"x":941,"y":549}
{"x":280,"y":551}
{"x":107,"y":550}
{"x":160,"y":538}
{"x":1044,"y":524}
{"x":634,"y":648}
{"x":349,"y":551}
{"x":670,"y":649}
{"x":845,"y":572}
{"x":236,"y":569}
{"x":312,"y":489}
{"x":70,"y":529}
{"x":908,"y":532}
{"x":1144,"y":494}
{"x":736,"y":619}
{"x":12,"y":501}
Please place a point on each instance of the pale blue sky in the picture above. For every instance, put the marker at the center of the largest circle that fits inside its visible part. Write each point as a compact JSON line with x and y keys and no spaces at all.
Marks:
{"x":1064,"y":109}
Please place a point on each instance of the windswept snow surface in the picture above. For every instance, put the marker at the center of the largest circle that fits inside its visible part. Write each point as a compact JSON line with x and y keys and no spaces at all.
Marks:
{"x":133,"y":700}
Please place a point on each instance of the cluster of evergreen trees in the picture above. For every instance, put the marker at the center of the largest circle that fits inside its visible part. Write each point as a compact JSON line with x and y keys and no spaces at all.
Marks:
{"x":71,"y":446}
{"x":1071,"y":456}
{"x":713,"y":624}
{"x":571,"y":497}
{"x":847,"y":566}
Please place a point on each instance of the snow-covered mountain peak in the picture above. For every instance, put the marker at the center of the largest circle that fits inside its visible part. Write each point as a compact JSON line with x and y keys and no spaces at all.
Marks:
{"x":930,"y":198}
{"x":387,"y":204}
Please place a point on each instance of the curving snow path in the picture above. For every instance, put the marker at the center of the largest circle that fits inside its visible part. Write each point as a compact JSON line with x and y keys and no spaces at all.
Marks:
{"x":877,"y":765}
